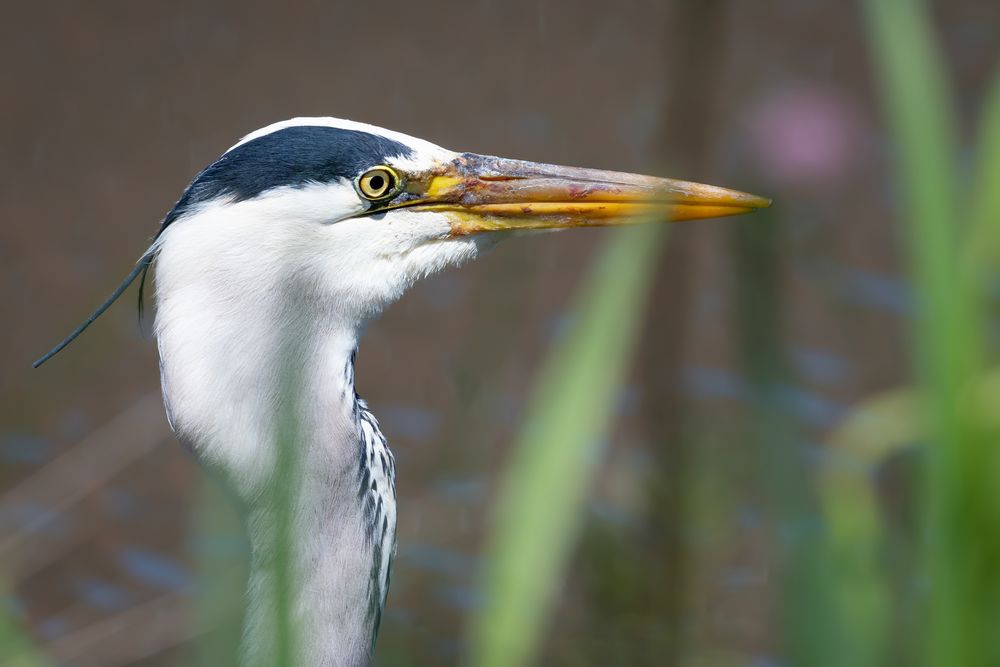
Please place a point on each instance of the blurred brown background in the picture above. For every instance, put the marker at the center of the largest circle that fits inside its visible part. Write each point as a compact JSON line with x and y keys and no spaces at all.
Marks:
{"x":110,"y":108}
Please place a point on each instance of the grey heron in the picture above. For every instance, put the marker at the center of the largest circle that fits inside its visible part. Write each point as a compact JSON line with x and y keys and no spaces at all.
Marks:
{"x":268,"y":268}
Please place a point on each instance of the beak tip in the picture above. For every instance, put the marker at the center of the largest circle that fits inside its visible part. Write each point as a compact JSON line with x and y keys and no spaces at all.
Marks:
{"x":754,"y":201}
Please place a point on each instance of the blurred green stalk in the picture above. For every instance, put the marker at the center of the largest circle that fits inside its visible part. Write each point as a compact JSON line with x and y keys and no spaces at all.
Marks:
{"x":982,"y":250}
{"x":16,"y":646}
{"x":886,"y":424}
{"x":807,"y":623}
{"x":222,"y":577}
{"x":962,"y":475}
{"x":541,"y":501}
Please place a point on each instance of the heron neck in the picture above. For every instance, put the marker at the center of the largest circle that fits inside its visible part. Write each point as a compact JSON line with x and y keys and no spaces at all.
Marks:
{"x":284,"y":426}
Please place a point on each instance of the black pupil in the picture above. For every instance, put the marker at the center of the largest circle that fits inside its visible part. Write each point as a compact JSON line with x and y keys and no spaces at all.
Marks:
{"x":377,"y":183}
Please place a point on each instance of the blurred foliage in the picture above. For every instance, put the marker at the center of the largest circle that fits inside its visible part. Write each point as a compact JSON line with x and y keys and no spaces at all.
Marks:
{"x":540,"y":505}
{"x":222,"y":551}
{"x":842,"y":602}
{"x":958,"y":569}
{"x":804,"y":615}
{"x":16,"y":646}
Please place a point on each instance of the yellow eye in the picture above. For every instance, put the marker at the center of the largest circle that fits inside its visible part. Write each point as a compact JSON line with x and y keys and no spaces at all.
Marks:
{"x":378,"y":183}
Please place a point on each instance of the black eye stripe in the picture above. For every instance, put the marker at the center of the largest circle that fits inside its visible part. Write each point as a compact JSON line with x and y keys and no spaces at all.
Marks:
{"x":293,"y":156}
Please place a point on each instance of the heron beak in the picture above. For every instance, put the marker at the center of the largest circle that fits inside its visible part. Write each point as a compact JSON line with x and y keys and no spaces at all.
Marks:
{"x":486,"y":194}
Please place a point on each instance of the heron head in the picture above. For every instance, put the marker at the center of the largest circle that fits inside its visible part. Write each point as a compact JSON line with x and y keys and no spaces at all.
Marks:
{"x":350,"y":215}
{"x":332,"y":218}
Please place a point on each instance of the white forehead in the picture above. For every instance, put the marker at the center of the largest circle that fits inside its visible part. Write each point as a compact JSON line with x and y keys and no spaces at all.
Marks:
{"x":425,"y":154}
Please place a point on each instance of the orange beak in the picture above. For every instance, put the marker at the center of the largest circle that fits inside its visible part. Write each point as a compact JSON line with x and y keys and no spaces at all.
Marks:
{"x":486,"y":194}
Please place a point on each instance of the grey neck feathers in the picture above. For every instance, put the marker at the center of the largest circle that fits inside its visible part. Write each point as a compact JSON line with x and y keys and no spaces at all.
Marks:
{"x":343,"y":528}
{"x":319,"y":488}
